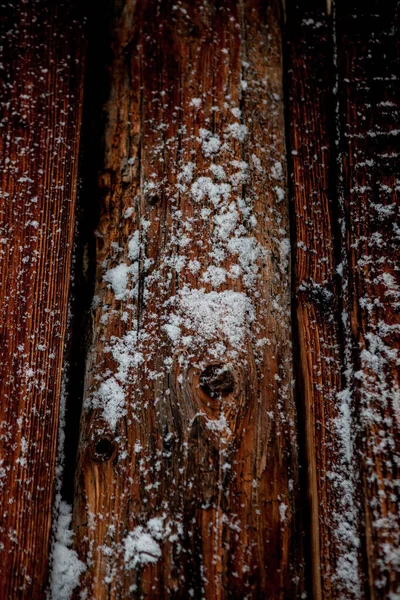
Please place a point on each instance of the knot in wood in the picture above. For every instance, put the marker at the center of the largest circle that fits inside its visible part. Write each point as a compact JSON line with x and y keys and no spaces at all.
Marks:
{"x":217,"y":381}
{"x":103,"y":449}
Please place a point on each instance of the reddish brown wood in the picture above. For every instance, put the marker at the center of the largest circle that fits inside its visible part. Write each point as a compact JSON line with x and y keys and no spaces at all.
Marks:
{"x":333,"y":512}
{"x":368,"y":111}
{"x":187,"y":481}
{"x":211,"y":456}
{"x":42,"y":67}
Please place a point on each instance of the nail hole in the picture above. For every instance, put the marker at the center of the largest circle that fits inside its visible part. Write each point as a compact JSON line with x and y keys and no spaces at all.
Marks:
{"x":154,"y":199}
{"x":217,"y":380}
{"x":104,"y":449}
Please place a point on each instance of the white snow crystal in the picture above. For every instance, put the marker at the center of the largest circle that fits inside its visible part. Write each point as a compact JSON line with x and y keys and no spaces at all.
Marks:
{"x":204,"y":187}
{"x":173,"y":330}
{"x":226,"y":222}
{"x":218,"y":172}
{"x":186,"y":175}
{"x":219,"y":425}
{"x":237,"y":131}
{"x":282,"y":511}
{"x":215,"y":313}
{"x":134,"y":247}
{"x":277,"y":170}
{"x":118,"y":278}
{"x":214,"y":275}
{"x":209,"y":141}
{"x":196,"y":102}
{"x":140,"y":548}
{"x":248,"y":251}
{"x":110,"y":397}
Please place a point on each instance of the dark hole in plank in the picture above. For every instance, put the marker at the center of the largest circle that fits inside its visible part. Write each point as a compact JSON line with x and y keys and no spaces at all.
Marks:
{"x":217,"y":380}
{"x":154,"y":199}
{"x":104,"y":449}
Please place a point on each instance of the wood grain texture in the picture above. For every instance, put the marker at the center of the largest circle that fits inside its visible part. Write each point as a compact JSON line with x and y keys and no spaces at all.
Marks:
{"x":187,"y":476}
{"x":368,"y":112}
{"x":333,"y":511}
{"x":41,"y":86}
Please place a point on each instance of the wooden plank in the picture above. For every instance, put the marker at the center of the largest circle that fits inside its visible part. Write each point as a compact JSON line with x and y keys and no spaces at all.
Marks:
{"x":42,"y":69}
{"x":187,"y":477}
{"x":333,"y":511}
{"x":368,"y":112}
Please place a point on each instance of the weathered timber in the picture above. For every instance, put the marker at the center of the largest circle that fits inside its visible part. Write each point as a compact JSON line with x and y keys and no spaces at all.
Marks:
{"x":369,"y":170}
{"x":333,"y":512}
{"x":187,"y":475}
{"x":42,"y":65}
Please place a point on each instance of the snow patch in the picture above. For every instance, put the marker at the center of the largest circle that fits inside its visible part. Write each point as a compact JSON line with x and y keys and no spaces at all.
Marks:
{"x":110,"y":398}
{"x":118,"y":279}
{"x":67,"y":568}
{"x":212,"y":314}
{"x":140,"y":548}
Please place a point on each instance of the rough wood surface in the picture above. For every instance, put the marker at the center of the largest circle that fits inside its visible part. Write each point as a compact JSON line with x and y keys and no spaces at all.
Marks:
{"x":187,"y":481}
{"x":368,"y":113}
{"x":333,"y":514}
{"x":187,"y":477}
{"x":41,"y":84}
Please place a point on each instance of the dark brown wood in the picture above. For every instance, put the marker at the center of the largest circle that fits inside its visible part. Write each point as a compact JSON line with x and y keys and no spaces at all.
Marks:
{"x":333,"y":509}
{"x":368,"y":117}
{"x":41,"y":89}
{"x":187,"y":477}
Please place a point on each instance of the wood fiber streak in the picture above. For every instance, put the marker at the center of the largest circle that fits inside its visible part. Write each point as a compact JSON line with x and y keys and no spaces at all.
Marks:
{"x":41,"y":87}
{"x":205,"y":462}
{"x":310,"y":82}
{"x":368,"y":95}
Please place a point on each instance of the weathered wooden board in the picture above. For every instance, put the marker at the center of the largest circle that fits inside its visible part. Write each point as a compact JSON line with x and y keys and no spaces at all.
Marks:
{"x":41,"y":86}
{"x":187,"y":482}
{"x":333,"y":511}
{"x":369,"y":170}
{"x":187,"y":476}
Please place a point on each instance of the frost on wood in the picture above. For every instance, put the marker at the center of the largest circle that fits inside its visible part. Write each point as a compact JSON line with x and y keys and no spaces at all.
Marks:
{"x":190,"y":366}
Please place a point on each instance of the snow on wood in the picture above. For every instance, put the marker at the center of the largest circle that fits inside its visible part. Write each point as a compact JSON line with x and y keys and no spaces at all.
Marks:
{"x":367,"y":121}
{"x":187,"y":477}
{"x":188,"y":481}
{"x":66,"y":567}
{"x":41,"y":63}
{"x":334,"y":517}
